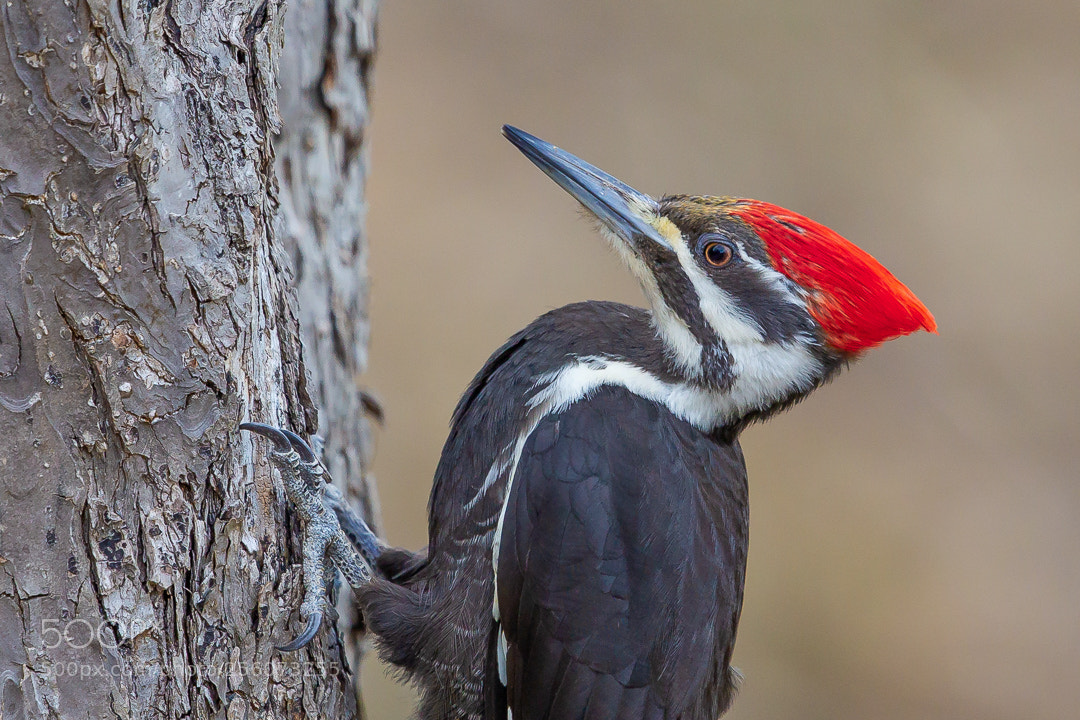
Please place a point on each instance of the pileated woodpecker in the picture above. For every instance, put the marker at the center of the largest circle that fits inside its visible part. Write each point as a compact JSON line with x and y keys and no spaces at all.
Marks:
{"x":588,"y":520}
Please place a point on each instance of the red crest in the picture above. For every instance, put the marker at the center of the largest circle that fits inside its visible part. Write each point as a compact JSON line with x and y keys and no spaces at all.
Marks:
{"x":857,"y":301}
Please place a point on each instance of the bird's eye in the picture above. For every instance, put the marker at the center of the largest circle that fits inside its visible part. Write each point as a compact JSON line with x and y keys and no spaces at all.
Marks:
{"x":718,"y":254}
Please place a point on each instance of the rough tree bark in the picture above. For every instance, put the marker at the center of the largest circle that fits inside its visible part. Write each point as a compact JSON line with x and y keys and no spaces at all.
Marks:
{"x":147,"y":566}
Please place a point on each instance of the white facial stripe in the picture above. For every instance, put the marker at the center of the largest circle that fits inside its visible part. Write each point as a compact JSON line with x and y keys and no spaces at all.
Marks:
{"x":776,"y":280}
{"x":728,"y":321}
{"x":683,"y":348}
{"x":764,"y":371}
{"x":681,"y":345}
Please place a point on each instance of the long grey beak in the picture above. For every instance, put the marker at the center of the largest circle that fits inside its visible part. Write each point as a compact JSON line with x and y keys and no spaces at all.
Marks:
{"x":616,"y":204}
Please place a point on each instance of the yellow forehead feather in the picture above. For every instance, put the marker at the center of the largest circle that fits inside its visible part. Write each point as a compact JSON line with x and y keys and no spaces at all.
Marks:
{"x":667,"y":229}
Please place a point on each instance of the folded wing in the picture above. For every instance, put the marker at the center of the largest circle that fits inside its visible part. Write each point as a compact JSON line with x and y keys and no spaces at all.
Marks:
{"x":621,"y":567}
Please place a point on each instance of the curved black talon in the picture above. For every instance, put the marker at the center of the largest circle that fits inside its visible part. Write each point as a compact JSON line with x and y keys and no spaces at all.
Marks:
{"x":278,"y":437}
{"x":302,"y":448}
{"x":283,"y":439}
{"x":313,"y":622}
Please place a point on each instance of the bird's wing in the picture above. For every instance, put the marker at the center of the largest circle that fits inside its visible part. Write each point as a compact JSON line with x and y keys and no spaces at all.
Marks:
{"x":620,"y":566}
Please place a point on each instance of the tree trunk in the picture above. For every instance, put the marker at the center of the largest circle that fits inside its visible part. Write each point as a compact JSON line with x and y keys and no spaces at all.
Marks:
{"x":147,"y":566}
{"x":322,"y":171}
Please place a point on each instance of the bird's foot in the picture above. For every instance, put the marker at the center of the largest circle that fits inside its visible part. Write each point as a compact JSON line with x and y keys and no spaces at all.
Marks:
{"x":331,"y":529}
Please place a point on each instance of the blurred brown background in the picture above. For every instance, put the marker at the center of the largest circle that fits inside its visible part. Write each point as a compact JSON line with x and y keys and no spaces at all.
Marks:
{"x":915,"y":546}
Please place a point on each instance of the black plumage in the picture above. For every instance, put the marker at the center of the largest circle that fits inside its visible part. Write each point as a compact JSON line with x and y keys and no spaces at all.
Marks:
{"x":621,"y":564}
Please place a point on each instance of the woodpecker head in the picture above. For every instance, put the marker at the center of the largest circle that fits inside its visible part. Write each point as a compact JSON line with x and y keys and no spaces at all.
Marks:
{"x":752,"y":302}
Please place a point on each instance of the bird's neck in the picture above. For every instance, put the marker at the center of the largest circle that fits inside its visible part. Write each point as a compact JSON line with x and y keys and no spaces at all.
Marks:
{"x":712,"y":388}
